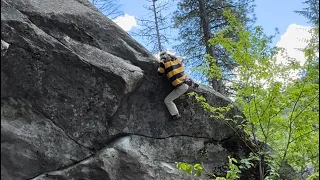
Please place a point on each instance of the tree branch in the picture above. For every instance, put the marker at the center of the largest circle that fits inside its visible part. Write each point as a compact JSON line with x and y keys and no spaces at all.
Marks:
{"x":290,"y":130}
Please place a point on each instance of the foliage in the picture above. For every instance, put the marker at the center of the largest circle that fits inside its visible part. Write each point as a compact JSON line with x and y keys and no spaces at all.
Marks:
{"x":284,"y":113}
{"x":195,"y":170}
{"x":246,"y":163}
{"x":278,"y":98}
{"x":233,"y":173}
{"x":216,"y":112}
{"x":311,"y":12}
{"x":190,"y":19}
{"x":314,"y":176}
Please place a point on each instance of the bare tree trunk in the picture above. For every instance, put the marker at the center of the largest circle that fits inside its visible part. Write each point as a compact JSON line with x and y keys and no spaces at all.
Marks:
{"x":153,"y":28}
{"x":261,"y":169}
{"x":205,"y":26}
{"x":207,"y":36}
{"x":156,"y":22}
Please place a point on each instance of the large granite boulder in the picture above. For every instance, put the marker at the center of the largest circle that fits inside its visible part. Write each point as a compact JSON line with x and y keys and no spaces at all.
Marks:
{"x":80,"y":99}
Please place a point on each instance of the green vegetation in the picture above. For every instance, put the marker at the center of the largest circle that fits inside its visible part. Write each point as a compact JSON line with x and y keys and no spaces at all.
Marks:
{"x":281,"y":111}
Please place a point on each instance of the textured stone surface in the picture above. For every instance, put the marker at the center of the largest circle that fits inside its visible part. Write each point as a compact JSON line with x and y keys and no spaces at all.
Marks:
{"x":32,"y":144}
{"x":80,"y":99}
{"x":137,"y":157}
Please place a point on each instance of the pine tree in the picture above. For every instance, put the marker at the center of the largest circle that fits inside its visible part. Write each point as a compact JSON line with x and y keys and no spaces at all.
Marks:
{"x":197,"y":21}
{"x":311,"y":12}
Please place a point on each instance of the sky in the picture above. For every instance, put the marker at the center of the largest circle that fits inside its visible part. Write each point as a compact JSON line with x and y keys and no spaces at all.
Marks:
{"x":279,"y":14}
{"x":270,"y":14}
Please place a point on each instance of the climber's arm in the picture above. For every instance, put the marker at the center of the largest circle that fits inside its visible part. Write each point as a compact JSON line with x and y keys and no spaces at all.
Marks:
{"x":161,"y":69}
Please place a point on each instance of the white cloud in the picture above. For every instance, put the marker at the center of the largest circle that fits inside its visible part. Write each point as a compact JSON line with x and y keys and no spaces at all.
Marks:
{"x":126,"y":22}
{"x":294,"y":40}
{"x":296,"y":37}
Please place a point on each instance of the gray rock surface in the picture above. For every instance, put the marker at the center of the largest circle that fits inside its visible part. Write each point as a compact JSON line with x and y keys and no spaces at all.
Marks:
{"x":80,"y":99}
{"x":137,"y":157}
{"x":31,"y":144}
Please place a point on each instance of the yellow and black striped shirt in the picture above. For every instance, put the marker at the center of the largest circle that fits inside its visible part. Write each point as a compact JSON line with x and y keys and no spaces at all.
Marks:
{"x":174,"y":71}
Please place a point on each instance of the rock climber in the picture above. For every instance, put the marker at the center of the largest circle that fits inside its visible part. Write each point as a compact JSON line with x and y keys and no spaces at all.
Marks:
{"x":172,"y":67}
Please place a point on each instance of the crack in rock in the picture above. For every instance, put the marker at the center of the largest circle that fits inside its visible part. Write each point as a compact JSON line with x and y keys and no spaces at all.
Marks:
{"x":119,"y":148}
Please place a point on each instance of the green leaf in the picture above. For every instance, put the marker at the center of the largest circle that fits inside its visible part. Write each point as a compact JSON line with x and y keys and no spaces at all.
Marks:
{"x":184,"y":166}
{"x":189,"y":169}
{"x":314,"y":176}
{"x":197,"y":167}
{"x":234,"y":160}
{"x":221,"y":178}
{"x":199,"y":172}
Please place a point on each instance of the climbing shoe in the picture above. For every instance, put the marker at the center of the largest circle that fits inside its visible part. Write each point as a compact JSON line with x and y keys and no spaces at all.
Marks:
{"x":175,"y":117}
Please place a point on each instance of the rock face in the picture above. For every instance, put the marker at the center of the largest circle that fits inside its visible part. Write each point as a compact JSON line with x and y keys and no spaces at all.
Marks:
{"x":80,"y":99}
